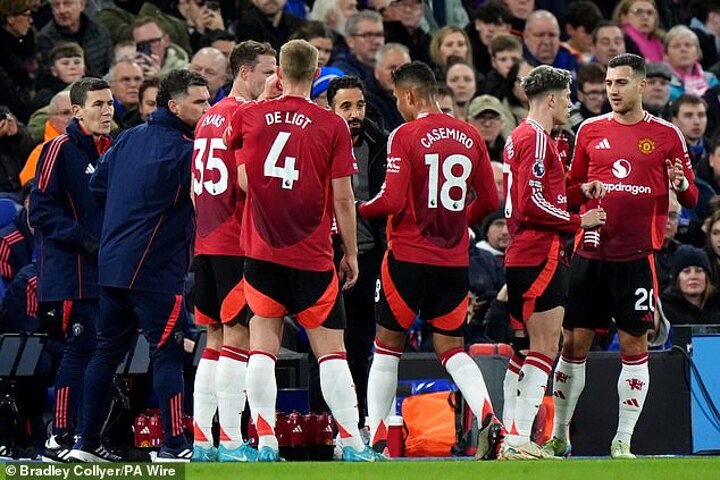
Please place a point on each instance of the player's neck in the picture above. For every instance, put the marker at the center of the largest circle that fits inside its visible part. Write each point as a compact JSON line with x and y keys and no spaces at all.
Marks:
{"x":426,"y":108}
{"x":301,"y":90}
{"x":240,"y":90}
{"x":541,"y":116}
{"x":629,"y":118}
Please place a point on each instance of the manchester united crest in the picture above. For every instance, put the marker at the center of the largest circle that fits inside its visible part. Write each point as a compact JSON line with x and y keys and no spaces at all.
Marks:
{"x":646,"y":146}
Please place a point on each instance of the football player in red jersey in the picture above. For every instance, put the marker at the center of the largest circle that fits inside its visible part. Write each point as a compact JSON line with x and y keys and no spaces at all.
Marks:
{"x":218,"y":265}
{"x":535,"y":263}
{"x":434,"y":161}
{"x":298,"y":163}
{"x":638,"y":157}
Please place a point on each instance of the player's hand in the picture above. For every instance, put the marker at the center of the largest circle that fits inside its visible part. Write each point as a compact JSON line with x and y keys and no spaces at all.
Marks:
{"x":676,"y":173}
{"x":348,"y":271}
{"x":273,"y":88}
{"x":594,"y":189}
{"x":593,"y":218}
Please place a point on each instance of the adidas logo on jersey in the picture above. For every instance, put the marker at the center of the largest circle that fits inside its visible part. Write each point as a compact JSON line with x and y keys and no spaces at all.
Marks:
{"x":90,"y":169}
{"x":604,"y":144}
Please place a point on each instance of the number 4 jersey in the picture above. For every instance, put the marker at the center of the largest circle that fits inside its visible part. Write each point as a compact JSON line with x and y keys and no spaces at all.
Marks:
{"x":218,"y":200}
{"x":433,"y":163}
{"x":291,"y":149}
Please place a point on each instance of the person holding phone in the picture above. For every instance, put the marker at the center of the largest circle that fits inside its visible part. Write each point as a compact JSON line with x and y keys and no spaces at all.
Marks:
{"x":156,"y":54}
{"x":201,"y":17}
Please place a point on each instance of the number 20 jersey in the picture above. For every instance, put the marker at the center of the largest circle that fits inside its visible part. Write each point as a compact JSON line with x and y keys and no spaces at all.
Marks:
{"x":218,"y":200}
{"x":291,"y":149}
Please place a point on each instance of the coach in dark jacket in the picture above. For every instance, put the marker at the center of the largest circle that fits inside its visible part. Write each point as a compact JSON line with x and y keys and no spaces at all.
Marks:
{"x":67,"y":225}
{"x":144,"y":184}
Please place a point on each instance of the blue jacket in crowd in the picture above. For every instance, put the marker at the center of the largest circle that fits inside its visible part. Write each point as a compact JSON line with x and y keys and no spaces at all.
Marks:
{"x":16,"y":246}
{"x":66,"y":217}
{"x":143,"y":181}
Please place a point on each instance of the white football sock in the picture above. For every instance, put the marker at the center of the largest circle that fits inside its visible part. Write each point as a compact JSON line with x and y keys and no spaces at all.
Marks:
{"x":532,"y":383}
{"x":568,"y":385}
{"x":510,"y":389}
{"x":262,"y":396}
{"x":204,"y":398}
{"x":467,"y":376}
{"x":339,"y":392}
{"x":633,"y":386}
{"x":382,"y":386}
{"x":230,"y":384}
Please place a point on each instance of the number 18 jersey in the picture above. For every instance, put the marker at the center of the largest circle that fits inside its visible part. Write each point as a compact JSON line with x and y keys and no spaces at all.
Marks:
{"x":291,"y":149}
{"x":433,"y":164}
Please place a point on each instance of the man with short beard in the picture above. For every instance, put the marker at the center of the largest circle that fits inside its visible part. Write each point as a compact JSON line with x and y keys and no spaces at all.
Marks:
{"x":346,"y":96}
{"x":265,"y":21}
{"x":657,"y":90}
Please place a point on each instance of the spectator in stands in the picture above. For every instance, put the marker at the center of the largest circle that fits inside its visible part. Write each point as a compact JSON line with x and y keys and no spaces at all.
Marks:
{"x":542,"y":42}
{"x":664,"y":257}
{"x":265,"y":21}
{"x":365,"y":35}
{"x":709,"y":169}
{"x":486,"y":114}
{"x":581,"y":20}
{"x":506,"y":51}
{"x":56,"y":124}
{"x":497,"y":168}
{"x":16,"y":242}
{"x":119,"y":17}
{"x":70,"y":24}
{"x":682,"y":53}
{"x":517,"y":101}
{"x":705,"y":22}
{"x":520,"y":10}
{"x":333,"y":13}
{"x":406,"y":30}
{"x":211,"y":64}
{"x":125,"y":78}
{"x":608,"y":42}
{"x":17,"y":55}
{"x":491,"y":19}
{"x":67,"y":66}
{"x":462,"y":80}
{"x":148,"y":97}
{"x":712,"y":246}
{"x":449,"y":41}
{"x":446,"y":100}
{"x":691,"y":298}
{"x":379,"y":87}
{"x":320,"y":37}
{"x":443,"y":13}
{"x":158,"y":55}
{"x":494,"y":234}
{"x":656,"y":95}
{"x":641,"y":26}
{"x":15,"y":146}
{"x":200,"y":20}
{"x":689,"y":114}
{"x":318,"y":94}
{"x":222,"y":40}
{"x":591,"y":94}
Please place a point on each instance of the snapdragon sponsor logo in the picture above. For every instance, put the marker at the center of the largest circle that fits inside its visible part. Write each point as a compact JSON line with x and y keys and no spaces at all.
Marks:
{"x":628,"y":188}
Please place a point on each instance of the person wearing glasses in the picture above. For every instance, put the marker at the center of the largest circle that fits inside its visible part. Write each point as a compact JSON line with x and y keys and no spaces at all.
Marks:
{"x":365,"y":35}
{"x":157,"y":54}
{"x":70,"y":24}
{"x":591,"y":93}
{"x":641,"y":25}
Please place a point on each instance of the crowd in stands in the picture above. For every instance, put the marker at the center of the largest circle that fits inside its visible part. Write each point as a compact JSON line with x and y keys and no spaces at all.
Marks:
{"x":479,"y":50}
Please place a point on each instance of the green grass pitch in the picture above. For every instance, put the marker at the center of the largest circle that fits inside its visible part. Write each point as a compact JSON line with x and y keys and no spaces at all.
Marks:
{"x":697,"y":468}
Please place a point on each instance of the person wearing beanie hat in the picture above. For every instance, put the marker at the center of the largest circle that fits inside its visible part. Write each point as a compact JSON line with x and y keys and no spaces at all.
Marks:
{"x":321,"y":83}
{"x":494,"y":234}
{"x":691,"y":298}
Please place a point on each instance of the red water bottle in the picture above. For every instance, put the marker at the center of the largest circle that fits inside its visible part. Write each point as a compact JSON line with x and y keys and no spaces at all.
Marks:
{"x":312,"y":435}
{"x":591,"y":236}
{"x":141,"y":431}
{"x":297,"y":436}
{"x":563,"y":147}
{"x":395,"y":443}
{"x":326,"y":437}
{"x":282,"y":432}
{"x":252,"y":433}
{"x":156,"y":430}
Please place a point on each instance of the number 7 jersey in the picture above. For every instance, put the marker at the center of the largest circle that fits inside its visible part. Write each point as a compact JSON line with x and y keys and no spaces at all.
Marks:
{"x":291,"y":149}
{"x":433,"y":163}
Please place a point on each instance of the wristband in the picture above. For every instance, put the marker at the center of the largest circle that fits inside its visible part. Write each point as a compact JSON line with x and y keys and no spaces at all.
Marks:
{"x":683,"y":186}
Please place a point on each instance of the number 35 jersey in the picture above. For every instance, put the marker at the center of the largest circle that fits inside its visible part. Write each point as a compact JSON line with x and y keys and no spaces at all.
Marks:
{"x":292,"y":149}
{"x":218,"y":200}
{"x":435,"y":165}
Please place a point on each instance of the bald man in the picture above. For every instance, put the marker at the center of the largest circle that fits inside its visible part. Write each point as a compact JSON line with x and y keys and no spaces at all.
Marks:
{"x":212,"y":65}
{"x":541,"y":39}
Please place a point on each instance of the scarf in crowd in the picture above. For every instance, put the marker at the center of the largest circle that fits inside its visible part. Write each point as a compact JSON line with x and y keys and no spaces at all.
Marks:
{"x":694,"y":81}
{"x":650,"y":47}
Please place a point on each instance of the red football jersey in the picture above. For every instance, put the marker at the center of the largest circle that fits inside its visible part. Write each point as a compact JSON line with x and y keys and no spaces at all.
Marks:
{"x":291,"y":149}
{"x":218,"y":200}
{"x":432,"y":163}
{"x":630,"y":161}
{"x":535,"y":200}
